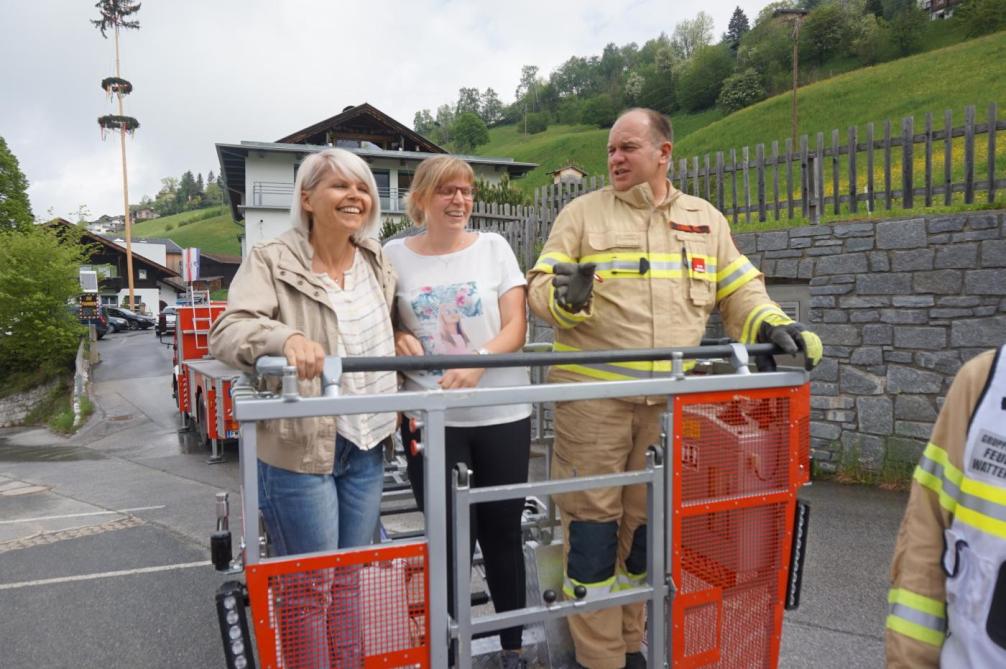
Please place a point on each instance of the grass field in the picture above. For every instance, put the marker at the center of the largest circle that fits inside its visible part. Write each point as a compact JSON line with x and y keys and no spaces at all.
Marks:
{"x":212,"y":230}
{"x":966,"y":73}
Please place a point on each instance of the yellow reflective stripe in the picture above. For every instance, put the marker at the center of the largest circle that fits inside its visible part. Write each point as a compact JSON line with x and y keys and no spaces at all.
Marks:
{"x":749,"y":333}
{"x":627,"y":580}
{"x":593,"y":589}
{"x":736,"y":275}
{"x":933,"y":607}
{"x":960,"y":495}
{"x":546,"y":261}
{"x":915,"y":631}
{"x":609,"y":371}
{"x":563,"y":318}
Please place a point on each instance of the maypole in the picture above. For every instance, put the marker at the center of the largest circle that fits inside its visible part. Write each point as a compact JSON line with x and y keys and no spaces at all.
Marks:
{"x":113,"y":15}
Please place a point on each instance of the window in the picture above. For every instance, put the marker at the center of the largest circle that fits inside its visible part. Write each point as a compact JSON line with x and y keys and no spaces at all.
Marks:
{"x":383,"y":179}
{"x":141,"y":274}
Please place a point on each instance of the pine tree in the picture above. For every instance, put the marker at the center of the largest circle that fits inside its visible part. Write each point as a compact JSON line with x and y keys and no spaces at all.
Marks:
{"x":737,"y":28}
{"x":15,"y":209}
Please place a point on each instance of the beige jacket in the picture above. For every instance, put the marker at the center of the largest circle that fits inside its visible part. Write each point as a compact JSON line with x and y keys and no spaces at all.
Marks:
{"x":273,"y":296}
{"x":918,"y":582}
{"x":663,"y":269}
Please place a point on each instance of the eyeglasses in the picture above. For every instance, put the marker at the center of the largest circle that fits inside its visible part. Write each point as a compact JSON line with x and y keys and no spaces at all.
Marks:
{"x":447,"y":192}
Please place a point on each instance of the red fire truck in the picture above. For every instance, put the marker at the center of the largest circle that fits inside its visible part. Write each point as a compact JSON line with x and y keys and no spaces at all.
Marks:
{"x":202,"y":385}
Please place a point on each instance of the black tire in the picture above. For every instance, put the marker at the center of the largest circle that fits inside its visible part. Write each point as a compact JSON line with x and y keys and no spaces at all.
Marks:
{"x":132,"y":325}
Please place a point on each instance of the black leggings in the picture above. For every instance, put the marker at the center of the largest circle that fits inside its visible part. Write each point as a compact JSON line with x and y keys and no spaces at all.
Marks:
{"x":498,"y":455}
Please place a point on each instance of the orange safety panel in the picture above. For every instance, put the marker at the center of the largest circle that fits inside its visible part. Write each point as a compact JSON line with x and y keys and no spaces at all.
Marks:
{"x":355,"y":609}
{"x":742,"y":457}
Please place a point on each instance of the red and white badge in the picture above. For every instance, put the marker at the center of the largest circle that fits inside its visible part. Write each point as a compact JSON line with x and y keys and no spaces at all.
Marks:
{"x":698,"y":265}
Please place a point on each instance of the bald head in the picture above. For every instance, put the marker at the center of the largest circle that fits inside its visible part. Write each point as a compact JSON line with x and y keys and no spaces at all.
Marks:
{"x":659,"y":125}
{"x":639,"y":151}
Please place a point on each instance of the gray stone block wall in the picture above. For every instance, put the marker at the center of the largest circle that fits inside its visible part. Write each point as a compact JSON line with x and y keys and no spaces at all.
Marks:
{"x":900,"y":305}
{"x":15,"y":408}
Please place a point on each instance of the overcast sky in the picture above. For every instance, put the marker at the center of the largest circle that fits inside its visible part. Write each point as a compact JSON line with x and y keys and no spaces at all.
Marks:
{"x":231,"y":70}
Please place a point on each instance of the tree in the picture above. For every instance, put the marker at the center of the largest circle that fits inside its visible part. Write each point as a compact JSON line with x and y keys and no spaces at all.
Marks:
{"x":981,"y":17}
{"x":443,"y":124}
{"x":210,"y":178}
{"x":737,"y":28}
{"x":469,"y":131}
{"x":907,"y":28}
{"x":15,"y":209}
{"x":871,"y":37}
{"x":468,"y":101}
{"x":600,"y":110}
{"x":874,"y":7}
{"x":691,"y":35}
{"x":658,"y":89}
{"x":423,"y":122}
{"x":826,"y":32}
{"x":492,"y":107}
{"x":38,"y":277}
{"x":528,"y":80}
{"x":741,"y":90}
{"x":633,"y":87}
{"x":113,"y":15}
{"x":702,"y":79}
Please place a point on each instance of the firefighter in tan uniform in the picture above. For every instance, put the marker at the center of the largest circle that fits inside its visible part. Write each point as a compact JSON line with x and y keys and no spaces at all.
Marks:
{"x":637,"y":264}
{"x":947,"y":603}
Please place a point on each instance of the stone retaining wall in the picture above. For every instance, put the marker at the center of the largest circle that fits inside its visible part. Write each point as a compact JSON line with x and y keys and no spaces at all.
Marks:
{"x":14,"y":408}
{"x":900,"y":305}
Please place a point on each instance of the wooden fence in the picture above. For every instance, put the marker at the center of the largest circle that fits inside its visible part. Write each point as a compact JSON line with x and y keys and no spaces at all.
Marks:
{"x":883,"y":171}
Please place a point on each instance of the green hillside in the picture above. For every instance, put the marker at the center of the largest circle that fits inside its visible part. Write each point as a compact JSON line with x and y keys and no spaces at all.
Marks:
{"x":967,"y":73}
{"x":212,"y":230}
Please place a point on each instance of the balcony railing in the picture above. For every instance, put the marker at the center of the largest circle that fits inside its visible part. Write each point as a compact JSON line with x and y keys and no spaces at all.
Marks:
{"x":279,"y":194}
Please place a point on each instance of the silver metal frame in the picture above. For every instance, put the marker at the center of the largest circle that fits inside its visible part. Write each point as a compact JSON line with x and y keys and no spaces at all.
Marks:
{"x":250,"y":407}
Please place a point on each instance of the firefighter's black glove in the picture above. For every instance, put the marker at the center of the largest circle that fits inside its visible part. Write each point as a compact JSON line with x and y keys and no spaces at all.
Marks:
{"x":792,"y":337}
{"x":573,"y":285}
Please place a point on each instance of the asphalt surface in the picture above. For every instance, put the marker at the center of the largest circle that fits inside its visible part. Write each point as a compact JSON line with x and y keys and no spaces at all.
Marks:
{"x":103,"y":540}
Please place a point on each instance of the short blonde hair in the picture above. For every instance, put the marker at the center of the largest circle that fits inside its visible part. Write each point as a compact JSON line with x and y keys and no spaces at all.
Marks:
{"x":343,"y":162}
{"x":431,"y":174}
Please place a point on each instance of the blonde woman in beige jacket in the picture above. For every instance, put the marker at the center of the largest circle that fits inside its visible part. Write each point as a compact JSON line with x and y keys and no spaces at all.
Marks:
{"x":321,"y":288}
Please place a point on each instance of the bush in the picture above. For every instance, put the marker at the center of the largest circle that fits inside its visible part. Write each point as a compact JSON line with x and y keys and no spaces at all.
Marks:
{"x":537,"y":122}
{"x":570,"y":111}
{"x":38,"y":278}
{"x":740,"y":90}
{"x":600,"y":110}
{"x":169,"y":227}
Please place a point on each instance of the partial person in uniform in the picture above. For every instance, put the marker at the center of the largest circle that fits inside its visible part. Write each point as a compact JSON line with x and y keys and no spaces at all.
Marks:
{"x":637,"y":264}
{"x":321,"y":288}
{"x":947,"y":603}
{"x":462,"y":292}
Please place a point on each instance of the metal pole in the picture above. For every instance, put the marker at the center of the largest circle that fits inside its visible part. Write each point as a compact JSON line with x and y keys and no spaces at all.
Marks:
{"x":249,"y":492}
{"x":656,"y":576}
{"x":462,"y":564}
{"x":435,"y":503}
{"x":667,"y":439}
{"x":125,"y":181}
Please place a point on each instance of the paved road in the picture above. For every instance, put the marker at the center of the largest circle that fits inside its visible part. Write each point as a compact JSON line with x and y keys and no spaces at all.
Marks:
{"x":103,"y":559}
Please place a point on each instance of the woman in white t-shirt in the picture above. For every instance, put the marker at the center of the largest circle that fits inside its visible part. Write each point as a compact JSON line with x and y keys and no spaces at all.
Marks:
{"x":461,"y":292}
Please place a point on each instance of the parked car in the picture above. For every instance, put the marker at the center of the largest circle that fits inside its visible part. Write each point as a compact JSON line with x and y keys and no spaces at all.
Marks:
{"x":134,"y":320}
{"x":98,"y":317}
{"x":116,"y":324}
{"x":166,"y":321}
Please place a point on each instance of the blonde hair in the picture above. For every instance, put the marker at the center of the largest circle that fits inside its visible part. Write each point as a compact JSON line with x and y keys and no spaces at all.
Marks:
{"x":432,"y":173}
{"x":313,"y":170}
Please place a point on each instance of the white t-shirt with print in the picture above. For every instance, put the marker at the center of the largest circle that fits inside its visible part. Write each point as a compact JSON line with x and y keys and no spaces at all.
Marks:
{"x":450,"y":303}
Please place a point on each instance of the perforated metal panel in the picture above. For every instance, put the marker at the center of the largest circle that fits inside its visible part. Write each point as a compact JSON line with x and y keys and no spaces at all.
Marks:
{"x":353,"y":609}
{"x":741,"y":459}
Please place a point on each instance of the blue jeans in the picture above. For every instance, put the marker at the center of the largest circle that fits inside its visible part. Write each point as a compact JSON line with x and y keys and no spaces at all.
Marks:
{"x":320,"y":621}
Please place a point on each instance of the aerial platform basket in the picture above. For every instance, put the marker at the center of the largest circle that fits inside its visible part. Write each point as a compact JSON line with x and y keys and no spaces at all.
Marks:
{"x":721,"y":567}
{"x":741,"y":458}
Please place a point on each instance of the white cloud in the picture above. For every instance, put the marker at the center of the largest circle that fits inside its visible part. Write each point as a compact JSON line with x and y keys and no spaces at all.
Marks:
{"x":232,"y":70}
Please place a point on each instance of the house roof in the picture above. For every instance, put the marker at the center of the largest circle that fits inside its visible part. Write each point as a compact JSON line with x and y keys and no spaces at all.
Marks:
{"x":570,"y":166}
{"x":222,"y":258}
{"x":169,"y":245}
{"x":112,"y":246}
{"x":363,"y":123}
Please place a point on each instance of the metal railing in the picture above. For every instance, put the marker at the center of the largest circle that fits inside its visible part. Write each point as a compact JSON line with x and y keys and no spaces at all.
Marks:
{"x":279,"y":194}
{"x":251,"y":406}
